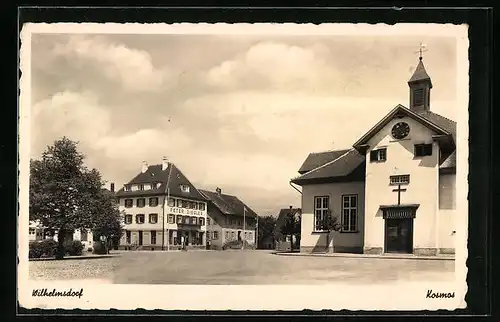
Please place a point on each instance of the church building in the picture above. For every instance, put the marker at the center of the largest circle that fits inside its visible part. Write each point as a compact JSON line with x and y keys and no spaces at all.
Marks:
{"x":393,"y":191}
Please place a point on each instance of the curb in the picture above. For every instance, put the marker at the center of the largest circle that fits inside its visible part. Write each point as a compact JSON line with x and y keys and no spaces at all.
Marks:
{"x":449,"y":258}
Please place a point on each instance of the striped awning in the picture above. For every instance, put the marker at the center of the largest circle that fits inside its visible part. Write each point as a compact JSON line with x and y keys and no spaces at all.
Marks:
{"x":399,"y":211}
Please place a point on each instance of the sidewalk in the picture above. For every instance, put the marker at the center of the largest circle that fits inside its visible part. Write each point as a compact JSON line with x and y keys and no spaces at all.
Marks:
{"x":383,"y":256}
{"x":87,"y":256}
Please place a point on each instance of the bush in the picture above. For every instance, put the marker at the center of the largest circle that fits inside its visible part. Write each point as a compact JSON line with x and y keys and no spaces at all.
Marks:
{"x":74,"y":248}
{"x":99,"y":248}
{"x":44,"y":248}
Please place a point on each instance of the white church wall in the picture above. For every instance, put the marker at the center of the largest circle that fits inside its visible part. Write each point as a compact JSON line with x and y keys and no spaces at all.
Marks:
{"x":340,"y":241}
{"x":422,"y":189}
{"x":447,"y":206}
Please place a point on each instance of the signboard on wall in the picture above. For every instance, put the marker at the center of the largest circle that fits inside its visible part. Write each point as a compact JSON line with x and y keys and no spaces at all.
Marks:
{"x":184,"y":211}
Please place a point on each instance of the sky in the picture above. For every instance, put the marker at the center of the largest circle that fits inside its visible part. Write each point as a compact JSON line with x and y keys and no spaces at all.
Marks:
{"x":239,"y":112}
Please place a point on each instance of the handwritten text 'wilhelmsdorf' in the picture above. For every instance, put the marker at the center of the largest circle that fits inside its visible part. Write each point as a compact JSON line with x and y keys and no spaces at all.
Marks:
{"x":42,"y":292}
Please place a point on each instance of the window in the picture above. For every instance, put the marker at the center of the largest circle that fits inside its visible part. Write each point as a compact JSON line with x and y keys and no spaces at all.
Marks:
{"x":184,"y":188}
{"x":321,"y":205}
{"x":246,"y":235}
{"x":141,"y":186}
{"x":128,"y":236}
{"x":227,"y":235}
{"x":378,"y":155}
{"x":208,"y":221}
{"x":418,"y":97}
{"x":402,"y":179}
{"x":139,"y":218}
{"x":154,"y":185}
{"x":422,"y":150}
{"x":141,"y":202}
{"x":83,"y":235}
{"x":201,"y":206}
{"x":128,"y":219}
{"x":153,"y":202}
{"x":215,"y":235}
{"x":178,"y":202}
{"x":153,"y":218}
{"x":126,"y":187}
{"x":32,"y":231}
{"x":129,"y":203}
{"x":194,"y":220}
{"x":171,"y":202}
{"x":202,"y":221}
{"x":250,"y":235}
{"x":184,"y":203}
{"x":153,"y":237}
{"x":171,"y":219}
{"x":349,"y":212}
{"x":179,"y":219}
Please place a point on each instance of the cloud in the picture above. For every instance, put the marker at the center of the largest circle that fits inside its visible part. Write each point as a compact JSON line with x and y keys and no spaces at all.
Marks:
{"x":277,"y":65}
{"x":133,"y":68}
{"x":76,"y":115}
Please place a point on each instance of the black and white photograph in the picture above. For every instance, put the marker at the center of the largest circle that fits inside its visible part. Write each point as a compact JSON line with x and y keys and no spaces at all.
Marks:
{"x":243,"y":166}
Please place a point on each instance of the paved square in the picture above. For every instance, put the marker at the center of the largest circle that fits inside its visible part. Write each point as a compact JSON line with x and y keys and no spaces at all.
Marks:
{"x":242,"y":267}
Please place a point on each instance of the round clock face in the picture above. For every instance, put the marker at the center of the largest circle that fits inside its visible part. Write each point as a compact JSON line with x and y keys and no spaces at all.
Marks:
{"x":400,"y":130}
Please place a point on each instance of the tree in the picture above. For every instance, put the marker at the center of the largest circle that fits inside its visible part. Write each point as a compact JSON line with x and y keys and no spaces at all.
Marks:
{"x":266,"y":230}
{"x":291,"y":227}
{"x":62,"y":190}
{"x":329,"y":223}
{"x":107,"y":220}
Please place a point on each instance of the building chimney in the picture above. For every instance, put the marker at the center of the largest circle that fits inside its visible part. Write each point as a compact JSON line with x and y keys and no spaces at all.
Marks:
{"x":164,"y":164}
{"x":291,"y":207}
{"x":112,"y":187}
{"x":144,"y":166}
{"x":218,"y":190}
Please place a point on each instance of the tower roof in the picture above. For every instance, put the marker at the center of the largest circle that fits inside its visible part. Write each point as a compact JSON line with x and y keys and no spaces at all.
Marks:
{"x":420,"y":74}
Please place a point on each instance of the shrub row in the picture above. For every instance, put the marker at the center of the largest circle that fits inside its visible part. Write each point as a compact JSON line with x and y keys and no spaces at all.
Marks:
{"x":48,"y":248}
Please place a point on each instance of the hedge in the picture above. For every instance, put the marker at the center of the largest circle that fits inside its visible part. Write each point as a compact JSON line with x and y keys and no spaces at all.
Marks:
{"x":48,"y":248}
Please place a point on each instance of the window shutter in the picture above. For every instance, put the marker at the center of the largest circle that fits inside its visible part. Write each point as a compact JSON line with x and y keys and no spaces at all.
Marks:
{"x":428,"y":149}
{"x":373,"y":155}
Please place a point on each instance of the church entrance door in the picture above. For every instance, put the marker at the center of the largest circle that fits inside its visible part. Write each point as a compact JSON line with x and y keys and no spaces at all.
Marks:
{"x":399,"y":235}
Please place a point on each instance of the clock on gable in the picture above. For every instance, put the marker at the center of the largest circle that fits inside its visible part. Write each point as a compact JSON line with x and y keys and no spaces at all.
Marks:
{"x":400,"y":130}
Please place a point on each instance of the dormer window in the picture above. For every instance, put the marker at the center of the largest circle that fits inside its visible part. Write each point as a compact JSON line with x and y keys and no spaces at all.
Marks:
{"x":141,"y":186}
{"x":184,"y":188}
{"x":126,"y":187}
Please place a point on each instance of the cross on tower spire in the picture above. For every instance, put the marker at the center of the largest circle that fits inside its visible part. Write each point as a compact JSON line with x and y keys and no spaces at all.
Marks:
{"x":422,"y":48}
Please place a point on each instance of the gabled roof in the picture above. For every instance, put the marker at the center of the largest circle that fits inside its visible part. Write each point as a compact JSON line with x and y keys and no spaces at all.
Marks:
{"x":450,"y":162}
{"x":317,"y":159}
{"x":443,"y":122}
{"x":342,"y":166}
{"x":228,"y":204}
{"x":427,"y":118}
{"x":420,"y":74}
{"x":170,"y":181}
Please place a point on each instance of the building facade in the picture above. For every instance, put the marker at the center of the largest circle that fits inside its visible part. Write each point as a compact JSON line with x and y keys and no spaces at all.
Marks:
{"x":393,"y":191}
{"x":229,"y":220}
{"x":162,"y":209}
{"x":38,"y":233}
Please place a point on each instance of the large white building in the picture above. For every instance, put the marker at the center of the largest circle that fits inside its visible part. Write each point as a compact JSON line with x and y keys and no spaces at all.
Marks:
{"x":161,"y":210}
{"x":393,"y":190}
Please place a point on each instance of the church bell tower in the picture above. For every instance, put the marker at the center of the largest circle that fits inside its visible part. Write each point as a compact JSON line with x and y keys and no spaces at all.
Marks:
{"x":420,"y":88}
